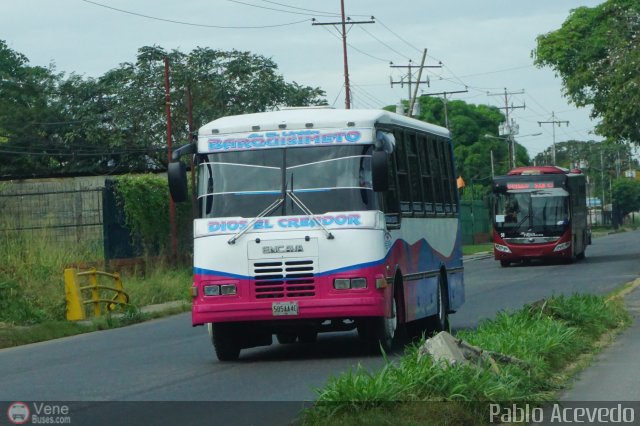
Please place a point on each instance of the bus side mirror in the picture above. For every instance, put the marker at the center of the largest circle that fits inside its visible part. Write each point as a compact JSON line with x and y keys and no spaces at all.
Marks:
{"x":380,"y":171}
{"x":177,"y":174}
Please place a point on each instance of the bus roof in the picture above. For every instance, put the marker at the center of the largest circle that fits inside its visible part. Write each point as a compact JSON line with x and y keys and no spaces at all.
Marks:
{"x":314,"y":117}
{"x":542,"y":170}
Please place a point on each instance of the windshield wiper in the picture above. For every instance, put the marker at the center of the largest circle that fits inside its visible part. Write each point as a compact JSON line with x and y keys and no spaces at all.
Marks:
{"x":308,"y":212}
{"x":264,"y":212}
{"x":517,"y":228}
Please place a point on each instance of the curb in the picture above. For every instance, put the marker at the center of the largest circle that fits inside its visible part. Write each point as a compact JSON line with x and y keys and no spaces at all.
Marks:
{"x":478,"y":256}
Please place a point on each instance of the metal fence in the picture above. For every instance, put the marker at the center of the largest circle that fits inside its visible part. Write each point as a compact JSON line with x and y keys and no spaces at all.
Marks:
{"x":475,"y":222}
{"x":80,"y":210}
{"x":67,"y":210}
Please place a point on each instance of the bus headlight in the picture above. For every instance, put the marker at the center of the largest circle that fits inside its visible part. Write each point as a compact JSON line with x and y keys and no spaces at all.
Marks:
{"x":341,"y":284}
{"x":502,"y":248}
{"x":211,"y":290}
{"x":359,"y":283}
{"x":228,"y":289}
{"x":346,"y":283}
{"x":220,"y":290}
{"x":562,"y":246}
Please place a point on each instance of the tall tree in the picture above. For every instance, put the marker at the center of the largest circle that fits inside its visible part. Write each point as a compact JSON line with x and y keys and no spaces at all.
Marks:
{"x":626,"y":196}
{"x":50,"y":124}
{"x":596,"y":52}
{"x":28,"y":118}
{"x":473,"y":150}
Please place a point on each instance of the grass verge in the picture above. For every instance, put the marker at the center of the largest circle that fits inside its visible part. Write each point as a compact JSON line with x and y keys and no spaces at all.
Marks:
{"x":22,"y":335}
{"x":548,"y":336}
{"x":32,"y":295}
{"x":477,"y":248}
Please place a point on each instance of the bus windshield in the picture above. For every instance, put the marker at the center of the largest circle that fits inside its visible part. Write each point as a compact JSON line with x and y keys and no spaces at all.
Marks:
{"x":536,"y":210}
{"x":244,"y":183}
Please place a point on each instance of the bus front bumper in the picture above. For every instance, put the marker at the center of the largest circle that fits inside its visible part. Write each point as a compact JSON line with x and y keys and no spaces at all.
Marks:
{"x":344,"y":307}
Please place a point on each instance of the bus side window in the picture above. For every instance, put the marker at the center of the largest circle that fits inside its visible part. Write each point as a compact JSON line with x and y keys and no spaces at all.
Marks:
{"x":436,"y":167}
{"x":404,"y":189}
{"x":427,"y":174}
{"x":389,"y":199}
{"x":417,"y":197}
{"x":449,"y":181}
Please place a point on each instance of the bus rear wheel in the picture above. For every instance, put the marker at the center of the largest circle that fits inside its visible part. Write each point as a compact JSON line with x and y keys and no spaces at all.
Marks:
{"x":440,"y":321}
{"x":224,"y":342}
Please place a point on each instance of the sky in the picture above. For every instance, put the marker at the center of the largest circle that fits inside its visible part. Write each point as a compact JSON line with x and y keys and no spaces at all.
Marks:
{"x":483,"y":47}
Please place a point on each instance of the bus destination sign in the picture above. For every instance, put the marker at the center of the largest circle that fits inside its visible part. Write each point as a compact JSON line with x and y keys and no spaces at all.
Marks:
{"x":529,"y":185}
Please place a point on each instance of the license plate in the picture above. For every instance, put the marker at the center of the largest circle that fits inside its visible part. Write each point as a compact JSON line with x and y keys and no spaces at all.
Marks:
{"x":284,"y":308}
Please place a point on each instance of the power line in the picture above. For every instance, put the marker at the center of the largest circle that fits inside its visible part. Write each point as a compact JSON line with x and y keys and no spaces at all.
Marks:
{"x":172,"y":21}
{"x":79,"y":154}
{"x":400,"y":38}
{"x":356,"y":49}
{"x":382,"y":43}
{"x":497,"y":71}
{"x":277,"y":10}
{"x":306,"y":10}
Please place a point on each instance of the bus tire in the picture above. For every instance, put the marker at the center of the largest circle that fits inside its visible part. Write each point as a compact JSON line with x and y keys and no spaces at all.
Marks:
{"x":380,"y":332}
{"x":224,"y":342}
{"x":286,"y":338}
{"x":440,"y":321}
{"x":308,"y":336}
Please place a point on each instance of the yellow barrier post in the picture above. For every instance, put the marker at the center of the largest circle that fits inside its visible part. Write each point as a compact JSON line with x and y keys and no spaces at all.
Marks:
{"x":74,"y":292}
{"x":120,"y":296}
{"x":95,"y":292}
{"x":75,"y":310}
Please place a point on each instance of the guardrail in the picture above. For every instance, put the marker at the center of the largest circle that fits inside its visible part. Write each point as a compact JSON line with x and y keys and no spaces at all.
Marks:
{"x":74,"y":293}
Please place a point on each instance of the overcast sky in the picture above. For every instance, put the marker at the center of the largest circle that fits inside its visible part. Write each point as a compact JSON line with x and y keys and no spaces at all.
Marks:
{"x":483,"y":45}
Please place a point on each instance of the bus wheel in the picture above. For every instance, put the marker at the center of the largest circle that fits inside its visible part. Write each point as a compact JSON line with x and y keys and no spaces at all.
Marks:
{"x":380,"y":331}
{"x":504,"y":263}
{"x":286,"y":338}
{"x":224,"y":342}
{"x":440,"y":321}
{"x":308,"y":336}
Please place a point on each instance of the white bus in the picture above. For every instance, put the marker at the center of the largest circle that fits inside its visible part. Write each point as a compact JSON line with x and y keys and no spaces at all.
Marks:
{"x":318,"y":219}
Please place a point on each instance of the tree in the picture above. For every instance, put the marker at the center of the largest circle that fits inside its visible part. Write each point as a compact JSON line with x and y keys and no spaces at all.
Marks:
{"x":602,"y":162}
{"x":52,"y":125}
{"x":626,"y":196}
{"x":27,"y":117}
{"x":596,"y":52}
{"x":473,"y":150}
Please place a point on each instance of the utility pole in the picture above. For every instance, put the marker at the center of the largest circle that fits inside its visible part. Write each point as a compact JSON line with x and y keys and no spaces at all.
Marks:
{"x":509,"y":129}
{"x":553,"y":122}
{"x":444,"y":94}
{"x":412,"y":99}
{"x":343,"y":23}
{"x":410,"y":67}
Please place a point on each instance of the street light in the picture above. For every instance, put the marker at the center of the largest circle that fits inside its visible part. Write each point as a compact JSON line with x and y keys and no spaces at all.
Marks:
{"x":511,"y":140}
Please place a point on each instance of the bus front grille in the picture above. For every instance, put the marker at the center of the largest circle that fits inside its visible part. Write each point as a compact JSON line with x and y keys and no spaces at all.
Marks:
{"x":284,"y":279}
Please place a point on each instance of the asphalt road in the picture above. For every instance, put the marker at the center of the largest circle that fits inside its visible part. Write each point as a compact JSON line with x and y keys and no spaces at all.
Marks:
{"x":168,"y":360}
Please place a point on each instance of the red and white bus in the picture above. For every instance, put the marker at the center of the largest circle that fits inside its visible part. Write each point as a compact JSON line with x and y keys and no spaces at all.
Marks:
{"x":540,"y":213}
{"x":317,"y":219}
